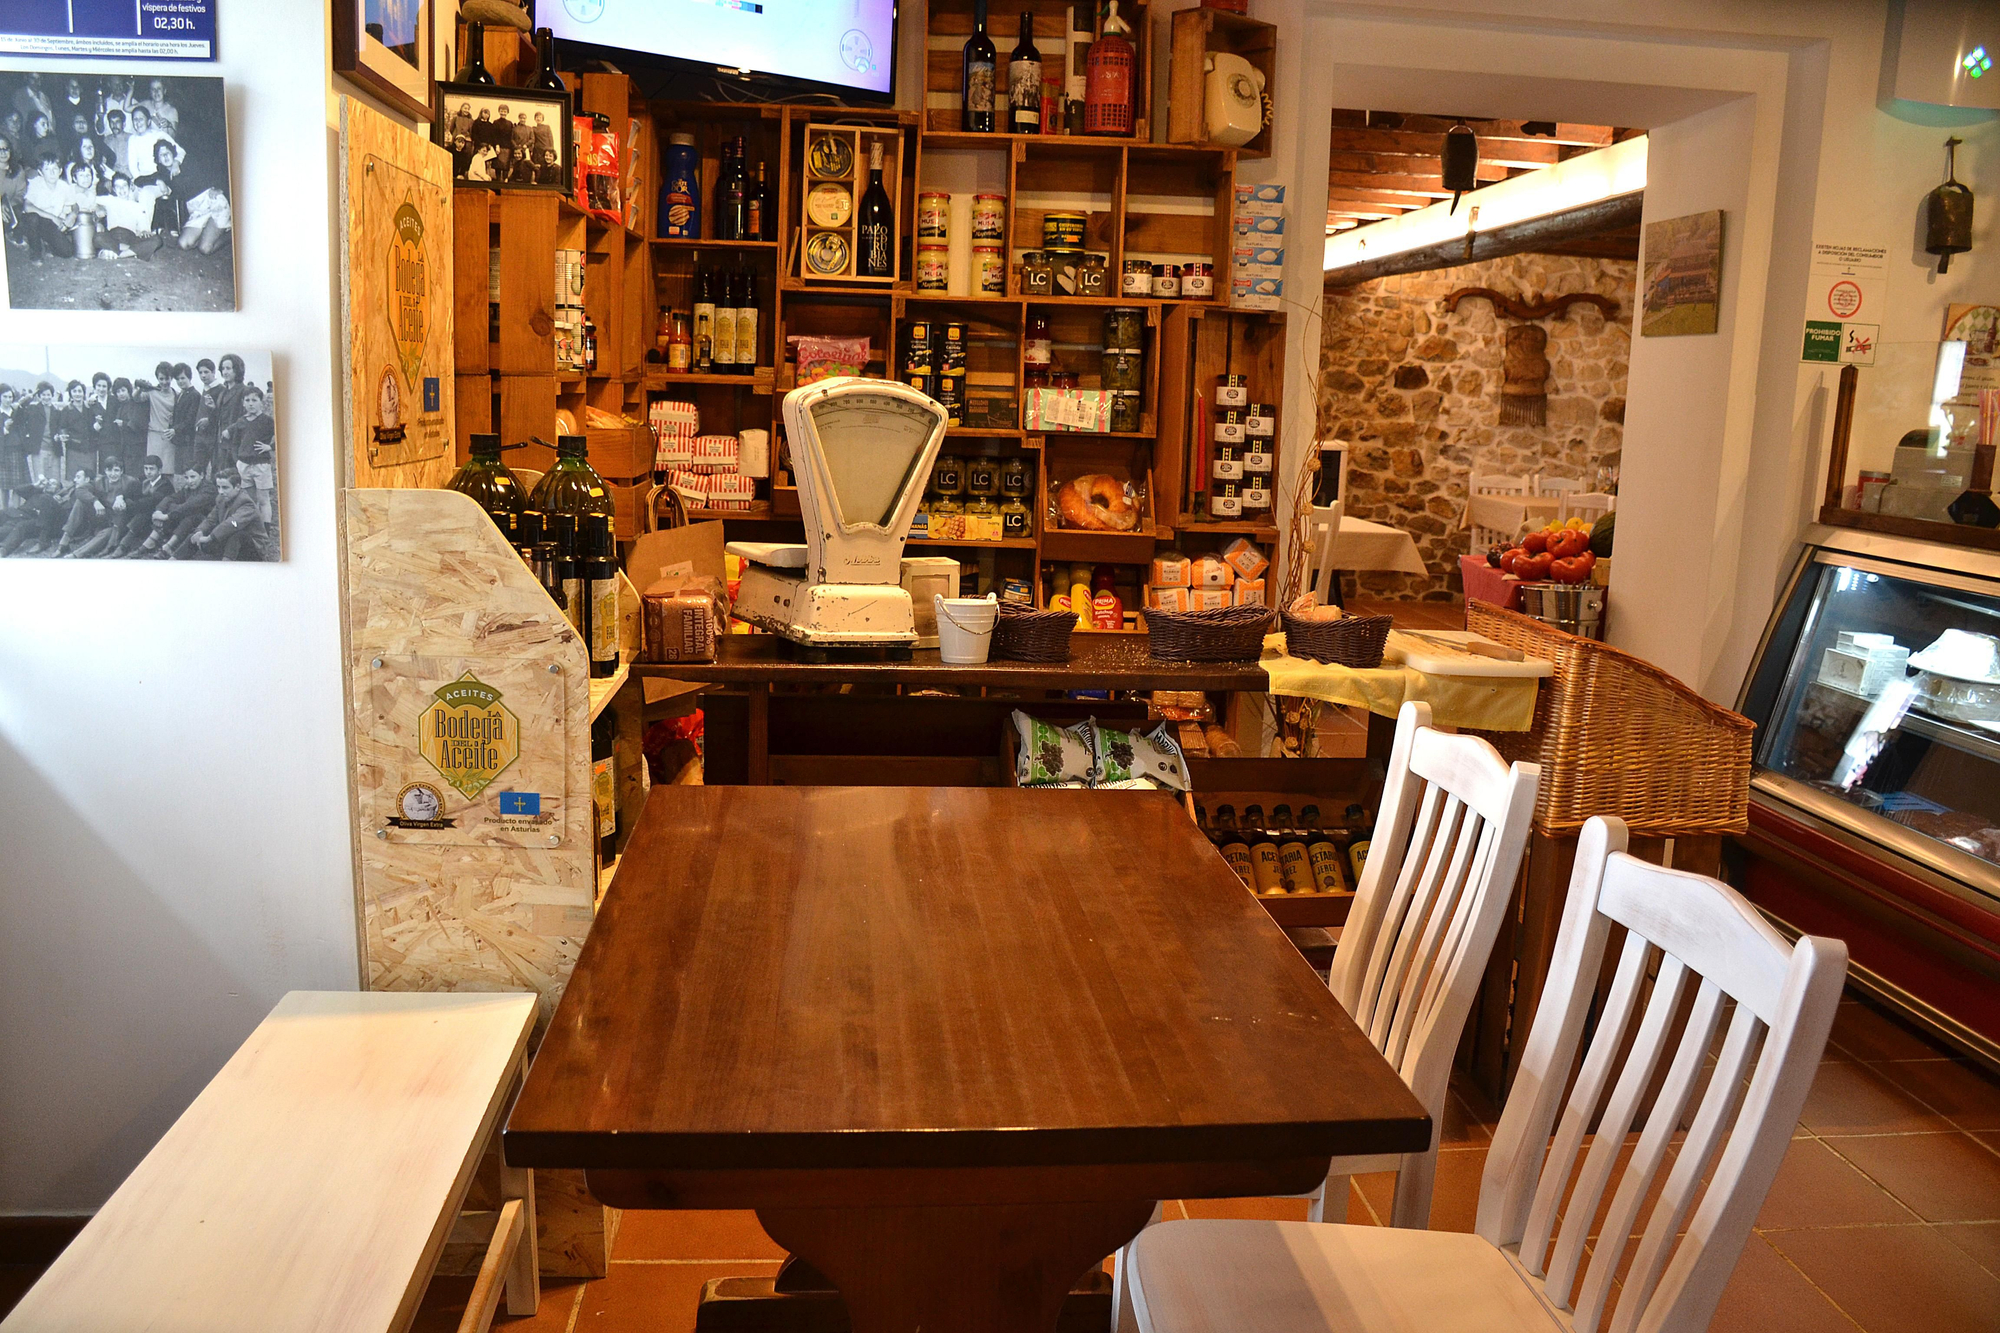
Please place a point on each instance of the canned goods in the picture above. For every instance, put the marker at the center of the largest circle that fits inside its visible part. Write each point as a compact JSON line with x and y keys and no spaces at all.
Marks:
{"x":1229,"y":430}
{"x":1232,"y":391}
{"x":1125,"y":412}
{"x":1091,"y":278}
{"x":1227,"y":466}
{"x":1198,"y":281}
{"x":950,"y":395}
{"x":1136,"y":279}
{"x":1063,"y":231}
{"x":1224,"y":502}
{"x":1037,"y":278}
{"x":989,"y":217}
{"x":950,"y":337}
{"x":989,"y":270}
{"x":933,"y":268}
{"x":923,"y":381}
{"x":1121,"y":372}
{"x":1166,"y":281}
{"x":933,"y":216}
{"x":1124,"y":329}
{"x":919,"y":347}
{"x":1258,"y":421}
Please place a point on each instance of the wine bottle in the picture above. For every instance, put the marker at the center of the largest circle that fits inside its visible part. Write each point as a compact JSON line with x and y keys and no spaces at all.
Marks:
{"x":569,"y":574}
{"x":546,"y":78}
{"x":492,"y":486}
{"x":600,"y":579}
{"x":732,"y":193}
{"x":746,"y":323}
{"x":757,"y":214}
{"x":604,"y":784}
{"x":978,"y":83}
{"x":1024,"y":81}
{"x":472,"y":68}
{"x":875,"y":234}
{"x":704,"y":322}
{"x":724,"y":353}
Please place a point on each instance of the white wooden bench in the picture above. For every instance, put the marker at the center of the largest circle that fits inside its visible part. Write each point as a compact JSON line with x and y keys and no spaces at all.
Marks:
{"x":315,"y":1180}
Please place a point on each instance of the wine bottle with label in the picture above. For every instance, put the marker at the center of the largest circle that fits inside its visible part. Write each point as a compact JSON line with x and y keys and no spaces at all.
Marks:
{"x":759,"y":220}
{"x":472,"y":65}
{"x":876,"y":231}
{"x":546,"y":78}
{"x":746,"y":323}
{"x":724,"y":294}
{"x":1024,"y":81}
{"x":600,"y":579}
{"x":980,"y":58}
{"x":704,"y":322}
{"x":732,"y":193}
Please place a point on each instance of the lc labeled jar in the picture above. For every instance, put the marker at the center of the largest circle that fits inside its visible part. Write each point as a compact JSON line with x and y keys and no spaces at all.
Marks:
{"x":1091,"y":276}
{"x":1037,"y":277}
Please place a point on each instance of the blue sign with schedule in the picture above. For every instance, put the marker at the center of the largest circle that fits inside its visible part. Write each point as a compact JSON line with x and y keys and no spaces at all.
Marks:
{"x":109,"y":29}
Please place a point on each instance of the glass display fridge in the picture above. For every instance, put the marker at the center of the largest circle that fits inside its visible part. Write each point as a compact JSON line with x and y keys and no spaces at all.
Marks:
{"x":1875,"y":801}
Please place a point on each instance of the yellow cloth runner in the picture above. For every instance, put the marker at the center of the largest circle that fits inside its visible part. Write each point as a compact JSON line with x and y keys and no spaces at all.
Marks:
{"x":1482,"y":703}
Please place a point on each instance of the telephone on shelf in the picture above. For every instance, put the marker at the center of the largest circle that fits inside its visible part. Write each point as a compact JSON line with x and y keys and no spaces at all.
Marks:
{"x":1236,"y":102}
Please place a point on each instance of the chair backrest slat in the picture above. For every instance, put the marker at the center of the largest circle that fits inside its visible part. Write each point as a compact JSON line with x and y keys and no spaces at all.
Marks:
{"x":1783,"y":997}
{"x":1449,"y":908}
{"x":1418,"y":908}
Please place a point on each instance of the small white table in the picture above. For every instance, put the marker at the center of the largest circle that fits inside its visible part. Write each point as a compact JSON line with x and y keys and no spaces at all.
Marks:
{"x":1375,"y":546}
{"x":1510,"y":513}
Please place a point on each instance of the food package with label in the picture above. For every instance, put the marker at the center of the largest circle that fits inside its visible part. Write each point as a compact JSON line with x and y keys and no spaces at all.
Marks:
{"x":1171,"y":569}
{"x":1268,"y":230}
{"x":1260,"y":200}
{"x":1249,"y":592}
{"x":683,"y":616}
{"x":598,"y":174}
{"x":819,"y":357}
{"x":1066,"y":409}
{"x":675,"y":425}
{"x":1212,"y":571}
{"x":1098,"y":502}
{"x":1257,"y":262}
{"x":731,"y":490}
{"x":1167,"y":599}
{"x":1211,"y":599}
{"x":713,"y":453}
{"x":1246,"y":558}
{"x":1863,"y":663}
{"x":1256,"y":293}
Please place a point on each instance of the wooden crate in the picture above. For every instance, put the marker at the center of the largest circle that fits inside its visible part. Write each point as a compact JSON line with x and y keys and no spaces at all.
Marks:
{"x":859,"y":141}
{"x":1196,"y":33}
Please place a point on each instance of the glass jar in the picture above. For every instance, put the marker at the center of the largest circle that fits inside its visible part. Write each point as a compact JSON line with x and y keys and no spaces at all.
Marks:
{"x":1014,"y":482}
{"x":1166,"y":282}
{"x":1121,"y":372}
{"x":1037,"y":277}
{"x":1136,"y":278}
{"x":1091,"y":277}
{"x":1125,"y":413}
{"x":1125,"y":329}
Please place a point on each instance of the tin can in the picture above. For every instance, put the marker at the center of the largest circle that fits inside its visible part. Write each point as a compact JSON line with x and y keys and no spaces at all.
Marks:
{"x":950,"y":395}
{"x":1124,"y":329}
{"x":1166,"y":281}
{"x":1121,"y":372}
{"x":933,"y":268}
{"x":1224,"y":502}
{"x":1064,"y":231}
{"x":923,"y":381}
{"x":1136,"y":279}
{"x":950,"y":337}
{"x":1258,"y":421}
{"x":1091,"y":279}
{"x":933,"y":216}
{"x":989,"y":270}
{"x":1232,"y":391}
{"x":1198,"y":281}
{"x":920,"y":350}
{"x":1125,"y":411}
{"x":1037,"y":278}
{"x":989,"y":217}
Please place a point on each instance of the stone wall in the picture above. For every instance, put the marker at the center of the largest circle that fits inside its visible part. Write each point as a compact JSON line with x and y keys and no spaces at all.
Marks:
{"x":1415,"y":391}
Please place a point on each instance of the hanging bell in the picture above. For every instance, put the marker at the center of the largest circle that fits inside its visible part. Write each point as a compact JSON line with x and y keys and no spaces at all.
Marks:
{"x":1459,"y":162}
{"x":1947,"y":213}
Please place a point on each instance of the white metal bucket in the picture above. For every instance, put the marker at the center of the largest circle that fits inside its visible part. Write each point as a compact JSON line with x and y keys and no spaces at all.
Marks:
{"x":965,"y":627}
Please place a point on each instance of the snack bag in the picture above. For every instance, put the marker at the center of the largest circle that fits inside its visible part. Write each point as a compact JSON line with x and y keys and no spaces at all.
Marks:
{"x":1046,"y":755}
{"x":1119,"y":757}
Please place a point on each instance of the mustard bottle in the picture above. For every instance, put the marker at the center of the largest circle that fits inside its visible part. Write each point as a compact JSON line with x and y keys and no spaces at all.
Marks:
{"x":1079,"y":594}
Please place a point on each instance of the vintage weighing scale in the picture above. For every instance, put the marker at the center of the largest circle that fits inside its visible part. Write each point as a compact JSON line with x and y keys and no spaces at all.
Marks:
{"x":862,"y":451}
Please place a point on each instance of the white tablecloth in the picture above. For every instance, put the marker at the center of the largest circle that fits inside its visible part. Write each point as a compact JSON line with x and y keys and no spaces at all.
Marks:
{"x":1510,"y":513}
{"x":1365,"y":545}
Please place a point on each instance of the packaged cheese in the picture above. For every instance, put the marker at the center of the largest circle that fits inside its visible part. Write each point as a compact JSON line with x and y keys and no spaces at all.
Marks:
{"x":1167,"y":599}
{"x":1170,"y":570}
{"x":1249,"y":592}
{"x":1245,"y":558}
{"x":1210,"y":599}
{"x":1211,"y":571}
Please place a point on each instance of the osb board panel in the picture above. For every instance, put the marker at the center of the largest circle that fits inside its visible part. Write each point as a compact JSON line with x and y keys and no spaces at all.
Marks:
{"x":396,"y":301}
{"x":433,"y":592}
{"x":576,"y":1231}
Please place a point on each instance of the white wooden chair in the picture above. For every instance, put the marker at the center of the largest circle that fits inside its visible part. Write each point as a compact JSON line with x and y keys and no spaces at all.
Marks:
{"x":1691,"y":945}
{"x":1557,"y":485}
{"x":1586,"y":505}
{"x":1490,"y":483}
{"x":1441,"y":868}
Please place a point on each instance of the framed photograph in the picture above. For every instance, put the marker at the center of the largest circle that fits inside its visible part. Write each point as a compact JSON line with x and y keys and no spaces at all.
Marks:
{"x":115,"y":192}
{"x":505,"y":138}
{"x":137,"y":453}
{"x":1682,"y":283}
{"x":386,"y":47}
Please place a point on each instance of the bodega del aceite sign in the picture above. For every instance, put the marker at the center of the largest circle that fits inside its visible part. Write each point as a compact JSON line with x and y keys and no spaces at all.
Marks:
{"x":468,"y":735}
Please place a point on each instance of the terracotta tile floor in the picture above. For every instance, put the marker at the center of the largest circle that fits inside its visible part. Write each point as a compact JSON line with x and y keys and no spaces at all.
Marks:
{"x":1885,"y":1216}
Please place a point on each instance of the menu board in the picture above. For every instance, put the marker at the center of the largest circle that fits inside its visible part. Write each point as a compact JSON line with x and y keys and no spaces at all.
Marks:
{"x":109,"y":29}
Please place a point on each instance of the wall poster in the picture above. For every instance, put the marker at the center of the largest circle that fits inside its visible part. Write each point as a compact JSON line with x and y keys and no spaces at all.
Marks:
{"x":1681,"y":283}
{"x":109,"y":29}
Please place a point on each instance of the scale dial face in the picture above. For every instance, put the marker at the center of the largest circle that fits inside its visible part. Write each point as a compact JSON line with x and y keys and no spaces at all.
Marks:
{"x":872,"y":443}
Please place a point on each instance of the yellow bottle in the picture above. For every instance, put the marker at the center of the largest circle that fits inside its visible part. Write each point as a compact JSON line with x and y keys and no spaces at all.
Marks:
{"x":1237,"y":853}
{"x":1293,"y":867}
{"x":1079,"y":594}
{"x":1324,"y":859}
{"x":1358,"y":854}
{"x":1264,"y":865}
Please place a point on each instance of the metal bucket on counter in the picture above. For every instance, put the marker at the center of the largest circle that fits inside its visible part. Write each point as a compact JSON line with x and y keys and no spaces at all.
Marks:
{"x":1574,"y":608}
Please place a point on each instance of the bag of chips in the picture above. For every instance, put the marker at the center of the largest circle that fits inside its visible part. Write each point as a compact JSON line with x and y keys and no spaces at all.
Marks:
{"x":821,"y":357}
{"x":1046,"y":755}
{"x":1120,"y":757}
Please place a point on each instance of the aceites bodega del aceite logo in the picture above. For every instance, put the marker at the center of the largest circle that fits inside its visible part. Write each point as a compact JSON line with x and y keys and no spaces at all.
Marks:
{"x":468,"y":735}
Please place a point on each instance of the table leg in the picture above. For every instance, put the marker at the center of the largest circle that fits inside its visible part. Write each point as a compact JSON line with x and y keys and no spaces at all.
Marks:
{"x":977,"y":1269}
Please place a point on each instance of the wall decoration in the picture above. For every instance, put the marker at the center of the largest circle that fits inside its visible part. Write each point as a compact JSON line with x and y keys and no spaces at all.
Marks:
{"x":1681,"y":285}
{"x":1524,"y":365}
{"x":505,"y":137}
{"x":386,"y":46}
{"x":137,"y":453}
{"x":395,"y":194}
{"x":115,"y":192}
{"x":144,"y":30}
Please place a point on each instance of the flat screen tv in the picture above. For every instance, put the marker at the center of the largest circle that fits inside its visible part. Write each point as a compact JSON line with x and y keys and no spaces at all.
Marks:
{"x":844,"y":47}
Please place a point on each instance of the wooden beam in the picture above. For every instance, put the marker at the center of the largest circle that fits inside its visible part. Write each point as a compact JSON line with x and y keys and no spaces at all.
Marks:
{"x":1428,"y":187}
{"x":1379,"y":164}
{"x":1507,"y":152}
{"x":1596,"y":136}
{"x":1606,"y":215}
{"x":1347,"y":194}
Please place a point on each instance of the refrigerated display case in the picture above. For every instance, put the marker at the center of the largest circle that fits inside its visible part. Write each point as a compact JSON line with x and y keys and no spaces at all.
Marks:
{"x":1875,"y":798}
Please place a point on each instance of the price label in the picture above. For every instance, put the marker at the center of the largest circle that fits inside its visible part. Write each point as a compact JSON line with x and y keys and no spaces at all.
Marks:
{"x":109,"y":29}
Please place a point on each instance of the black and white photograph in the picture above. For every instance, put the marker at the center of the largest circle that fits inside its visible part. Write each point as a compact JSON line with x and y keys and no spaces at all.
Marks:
{"x":137,"y":453}
{"x":115,"y":192}
{"x":505,"y":138}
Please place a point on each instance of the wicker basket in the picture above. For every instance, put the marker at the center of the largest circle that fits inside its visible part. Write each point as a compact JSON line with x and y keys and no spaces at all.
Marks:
{"x":1618,"y":736}
{"x":1232,"y":634}
{"x":1023,"y":634}
{"x":1351,"y":641}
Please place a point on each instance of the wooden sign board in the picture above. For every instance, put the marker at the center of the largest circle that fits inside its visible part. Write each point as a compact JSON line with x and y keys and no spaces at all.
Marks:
{"x":396,"y":295}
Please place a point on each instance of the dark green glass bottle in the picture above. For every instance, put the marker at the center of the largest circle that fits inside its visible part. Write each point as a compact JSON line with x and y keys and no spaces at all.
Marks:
{"x":492,"y":486}
{"x":572,"y":486}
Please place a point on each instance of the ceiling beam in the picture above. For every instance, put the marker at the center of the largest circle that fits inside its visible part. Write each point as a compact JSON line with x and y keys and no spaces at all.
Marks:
{"x":1425,"y":187}
{"x":1389,"y":143}
{"x":1594,"y":136}
{"x":1405,"y":165}
{"x":1347,"y":194}
{"x":1606,"y":215}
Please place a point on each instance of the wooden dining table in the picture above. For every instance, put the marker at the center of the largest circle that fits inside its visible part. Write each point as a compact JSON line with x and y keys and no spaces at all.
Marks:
{"x":951,"y":1043}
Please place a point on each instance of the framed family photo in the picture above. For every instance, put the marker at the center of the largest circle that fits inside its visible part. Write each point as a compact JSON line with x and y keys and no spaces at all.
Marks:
{"x":115,"y":192}
{"x":505,"y":138}
{"x":386,"y":46}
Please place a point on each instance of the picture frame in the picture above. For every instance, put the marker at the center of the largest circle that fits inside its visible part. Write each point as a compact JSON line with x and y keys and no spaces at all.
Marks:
{"x":539,"y":155}
{"x":400,"y":74}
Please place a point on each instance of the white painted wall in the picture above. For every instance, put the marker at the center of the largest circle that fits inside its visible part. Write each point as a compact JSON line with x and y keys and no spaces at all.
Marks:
{"x":173,"y":801}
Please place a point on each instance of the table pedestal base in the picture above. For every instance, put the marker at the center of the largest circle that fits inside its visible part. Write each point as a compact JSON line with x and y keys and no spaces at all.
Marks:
{"x":765,"y":1305}
{"x":991,"y":1269}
